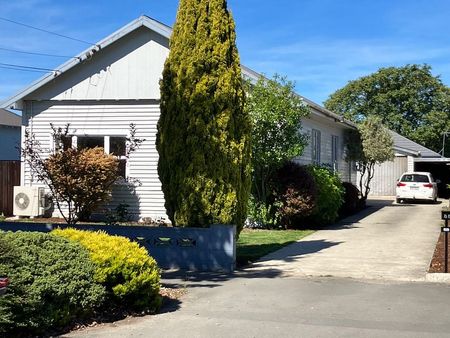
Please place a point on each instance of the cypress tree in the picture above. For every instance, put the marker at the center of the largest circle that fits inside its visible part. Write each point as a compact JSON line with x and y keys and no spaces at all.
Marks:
{"x":203,"y":137}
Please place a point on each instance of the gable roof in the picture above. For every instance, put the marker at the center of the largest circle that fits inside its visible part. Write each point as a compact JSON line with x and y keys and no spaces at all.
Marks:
{"x":164,"y":31}
{"x":405,"y":145}
{"x":145,"y":21}
{"x":8,"y":118}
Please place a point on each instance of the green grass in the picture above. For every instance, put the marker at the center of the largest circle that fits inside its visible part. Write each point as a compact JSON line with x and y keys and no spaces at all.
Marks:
{"x":254,"y":244}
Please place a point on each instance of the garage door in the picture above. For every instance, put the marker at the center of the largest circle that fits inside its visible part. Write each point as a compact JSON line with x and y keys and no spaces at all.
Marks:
{"x":386,"y":175}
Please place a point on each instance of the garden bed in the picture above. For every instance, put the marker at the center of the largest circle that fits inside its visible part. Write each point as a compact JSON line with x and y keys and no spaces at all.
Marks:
{"x":437,"y":262}
{"x":58,"y":220}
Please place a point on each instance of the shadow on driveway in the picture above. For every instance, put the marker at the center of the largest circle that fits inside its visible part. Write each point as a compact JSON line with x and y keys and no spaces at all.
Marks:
{"x":352,"y":221}
{"x":296,"y":250}
{"x":259,"y":269}
{"x":177,"y":279}
{"x":264,"y":268}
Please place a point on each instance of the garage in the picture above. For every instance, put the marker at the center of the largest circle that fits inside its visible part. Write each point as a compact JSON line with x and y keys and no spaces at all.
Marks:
{"x":440,"y":169}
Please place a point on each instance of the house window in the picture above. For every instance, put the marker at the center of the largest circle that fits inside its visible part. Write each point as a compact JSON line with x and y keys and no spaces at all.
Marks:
{"x":84,"y":142}
{"x":66,"y":142}
{"x":335,"y":152}
{"x":115,"y":145}
{"x":315,"y":146}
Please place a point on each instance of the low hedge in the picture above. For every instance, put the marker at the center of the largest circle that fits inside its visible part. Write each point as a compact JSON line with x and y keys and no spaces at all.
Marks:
{"x":330,"y":195}
{"x":130,"y":275}
{"x":51,"y":283}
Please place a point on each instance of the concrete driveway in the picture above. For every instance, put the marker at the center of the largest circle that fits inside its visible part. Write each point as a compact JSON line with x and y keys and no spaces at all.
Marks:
{"x":387,"y":241}
{"x":273,"y":298}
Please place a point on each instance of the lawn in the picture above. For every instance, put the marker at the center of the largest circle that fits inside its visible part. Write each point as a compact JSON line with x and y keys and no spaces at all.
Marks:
{"x":253,"y":244}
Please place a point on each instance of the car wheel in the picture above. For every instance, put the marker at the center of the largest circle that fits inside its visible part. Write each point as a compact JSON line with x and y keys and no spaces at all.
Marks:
{"x":398,"y":200}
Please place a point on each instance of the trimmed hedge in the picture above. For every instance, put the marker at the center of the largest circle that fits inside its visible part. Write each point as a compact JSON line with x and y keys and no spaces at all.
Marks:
{"x":330,"y":195}
{"x":130,"y":275}
{"x":51,"y":283}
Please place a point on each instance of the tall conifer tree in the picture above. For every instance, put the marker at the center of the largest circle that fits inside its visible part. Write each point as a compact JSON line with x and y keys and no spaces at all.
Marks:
{"x":203,"y":135}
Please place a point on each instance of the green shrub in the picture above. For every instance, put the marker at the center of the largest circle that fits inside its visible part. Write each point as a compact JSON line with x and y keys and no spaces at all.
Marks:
{"x":129,"y":274}
{"x":352,"y":202}
{"x":296,"y":191}
{"x":330,"y":195}
{"x":262,"y":216}
{"x":51,"y":283}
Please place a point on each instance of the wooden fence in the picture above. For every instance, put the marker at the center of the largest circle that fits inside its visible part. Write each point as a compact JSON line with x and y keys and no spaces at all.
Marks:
{"x":9,"y":177}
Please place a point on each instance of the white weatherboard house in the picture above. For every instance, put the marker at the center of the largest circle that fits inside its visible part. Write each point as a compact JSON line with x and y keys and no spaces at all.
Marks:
{"x":115,"y":83}
{"x":9,"y":136}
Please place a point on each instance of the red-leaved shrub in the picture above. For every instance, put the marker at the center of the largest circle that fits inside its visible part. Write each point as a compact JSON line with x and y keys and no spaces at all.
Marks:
{"x":296,"y":190}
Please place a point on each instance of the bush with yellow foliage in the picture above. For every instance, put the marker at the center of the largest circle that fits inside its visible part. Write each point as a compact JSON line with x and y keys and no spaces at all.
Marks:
{"x":125,"y":269}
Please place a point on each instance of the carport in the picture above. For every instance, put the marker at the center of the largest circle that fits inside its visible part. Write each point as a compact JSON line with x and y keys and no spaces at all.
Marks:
{"x":439,"y":168}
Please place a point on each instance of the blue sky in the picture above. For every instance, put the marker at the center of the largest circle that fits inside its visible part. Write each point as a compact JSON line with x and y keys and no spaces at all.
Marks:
{"x":319,"y":44}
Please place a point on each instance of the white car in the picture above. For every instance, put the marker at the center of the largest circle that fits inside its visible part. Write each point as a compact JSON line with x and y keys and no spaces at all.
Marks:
{"x":416,"y":186}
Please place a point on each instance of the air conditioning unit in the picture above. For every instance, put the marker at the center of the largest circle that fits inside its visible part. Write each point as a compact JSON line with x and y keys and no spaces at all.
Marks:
{"x":28,"y":201}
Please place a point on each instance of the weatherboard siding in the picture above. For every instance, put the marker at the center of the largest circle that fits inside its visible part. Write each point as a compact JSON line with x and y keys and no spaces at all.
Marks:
{"x":103,"y":119}
{"x":327,"y":129}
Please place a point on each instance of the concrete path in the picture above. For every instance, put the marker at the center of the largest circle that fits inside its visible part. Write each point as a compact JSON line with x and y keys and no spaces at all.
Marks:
{"x":387,"y":241}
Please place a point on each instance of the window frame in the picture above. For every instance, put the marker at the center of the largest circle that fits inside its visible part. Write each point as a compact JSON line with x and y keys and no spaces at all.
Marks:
{"x":316,"y":137}
{"x":335,"y":152}
{"x":106,"y":148}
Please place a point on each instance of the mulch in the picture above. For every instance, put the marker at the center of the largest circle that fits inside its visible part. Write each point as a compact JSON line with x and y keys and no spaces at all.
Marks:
{"x":437,"y":263}
{"x":170,"y":296}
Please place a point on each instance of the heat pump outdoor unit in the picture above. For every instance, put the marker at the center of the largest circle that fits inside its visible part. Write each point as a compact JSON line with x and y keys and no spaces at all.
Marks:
{"x":28,"y":201}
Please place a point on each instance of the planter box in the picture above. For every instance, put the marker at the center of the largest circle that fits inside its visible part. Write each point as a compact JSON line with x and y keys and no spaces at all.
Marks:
{"x":210,"y":249}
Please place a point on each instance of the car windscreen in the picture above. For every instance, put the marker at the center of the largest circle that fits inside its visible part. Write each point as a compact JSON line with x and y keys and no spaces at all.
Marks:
{"x":415,"y":178}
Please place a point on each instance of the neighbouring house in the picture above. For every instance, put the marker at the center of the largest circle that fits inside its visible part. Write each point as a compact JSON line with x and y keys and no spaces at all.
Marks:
{"x":10,"y":125}
{"x":409,"y":156}
{"x":105,"y":88}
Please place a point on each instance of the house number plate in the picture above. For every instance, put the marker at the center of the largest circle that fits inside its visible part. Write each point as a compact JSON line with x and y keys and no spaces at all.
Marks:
{"x":446,"y":215}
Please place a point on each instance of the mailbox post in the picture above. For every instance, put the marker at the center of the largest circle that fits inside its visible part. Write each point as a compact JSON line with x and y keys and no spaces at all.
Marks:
{"x":445,"y":230}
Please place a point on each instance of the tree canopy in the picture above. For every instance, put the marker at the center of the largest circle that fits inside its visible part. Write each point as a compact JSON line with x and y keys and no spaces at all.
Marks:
{"x":203,"y":137}
{"x":370,"y":144}
{"x":276,"y":112}
{"x":408,"y":100}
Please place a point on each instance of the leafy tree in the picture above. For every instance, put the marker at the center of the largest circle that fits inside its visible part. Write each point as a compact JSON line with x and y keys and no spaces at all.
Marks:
{"x":409,"y":100}
{"x":78,"y":180}
{"x":276,"y":112}
{"x":371,"y":144}
{"x":203,"y":137}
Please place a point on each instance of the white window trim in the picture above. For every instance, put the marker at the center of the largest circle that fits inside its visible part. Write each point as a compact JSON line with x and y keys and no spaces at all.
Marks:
{"x":335,"y":152}
{"x":316,"y":140}
{"x":106,"y":143}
